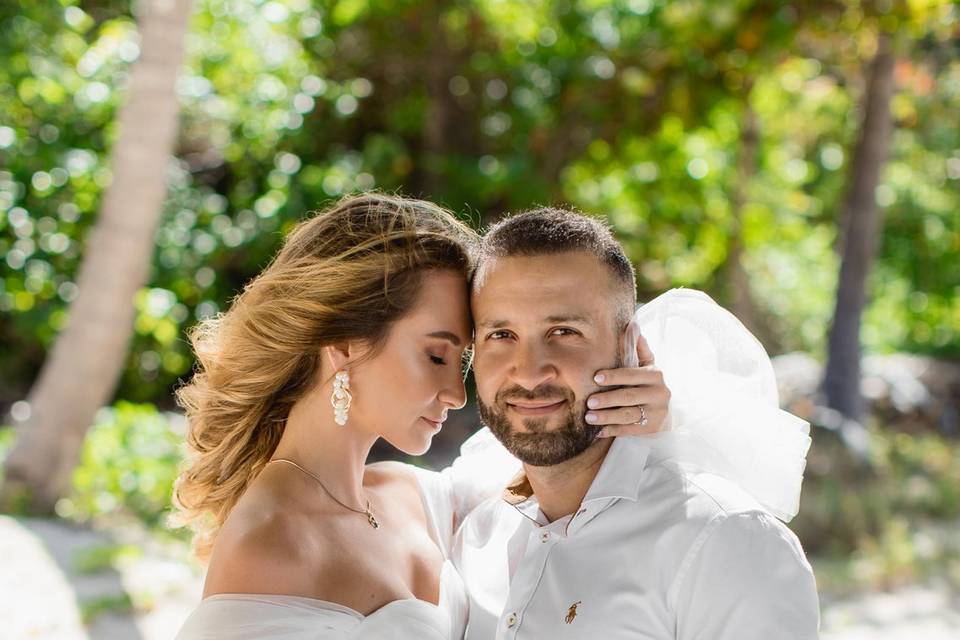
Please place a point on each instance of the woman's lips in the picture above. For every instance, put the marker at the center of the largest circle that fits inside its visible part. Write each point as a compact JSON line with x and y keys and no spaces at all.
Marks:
{"x":433,"y":423}
{"x":535,"y":408}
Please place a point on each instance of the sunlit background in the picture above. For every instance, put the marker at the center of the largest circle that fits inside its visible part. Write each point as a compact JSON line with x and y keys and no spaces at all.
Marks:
{"x":718,"y":137}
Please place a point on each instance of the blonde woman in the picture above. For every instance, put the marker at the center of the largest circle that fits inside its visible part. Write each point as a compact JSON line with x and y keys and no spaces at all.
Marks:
{"x":355,"y":332}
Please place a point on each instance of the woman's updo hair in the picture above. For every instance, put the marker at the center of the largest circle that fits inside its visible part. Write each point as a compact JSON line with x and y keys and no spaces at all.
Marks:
{"x":347,"y":273}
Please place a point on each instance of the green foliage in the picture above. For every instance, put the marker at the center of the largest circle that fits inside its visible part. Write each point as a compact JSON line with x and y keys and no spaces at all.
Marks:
{"x":632,"y":109}
{"x":128,"y":466}
{"x":877,"y":525}
{"x":90,"y":609}
{"x":96,"y":559}
{"x":6,"y":441}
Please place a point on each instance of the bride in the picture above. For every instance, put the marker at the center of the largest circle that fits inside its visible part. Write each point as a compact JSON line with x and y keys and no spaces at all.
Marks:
{"x":356,"y":331}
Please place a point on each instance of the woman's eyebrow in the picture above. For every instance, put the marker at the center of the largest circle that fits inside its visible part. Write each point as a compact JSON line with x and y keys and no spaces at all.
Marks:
{"x":447,"y":335}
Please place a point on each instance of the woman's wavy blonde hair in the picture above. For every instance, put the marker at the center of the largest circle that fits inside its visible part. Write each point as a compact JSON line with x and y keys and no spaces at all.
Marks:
{"x":347,"y":273}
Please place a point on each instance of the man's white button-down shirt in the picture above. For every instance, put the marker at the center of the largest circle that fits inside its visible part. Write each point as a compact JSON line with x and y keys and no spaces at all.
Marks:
{"x":656,"y":550}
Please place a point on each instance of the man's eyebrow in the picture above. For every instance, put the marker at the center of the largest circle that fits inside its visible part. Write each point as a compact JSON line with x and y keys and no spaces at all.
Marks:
{"x":492,"y":324}
{"x":553,"y":319}
{"x":569,"y":317}
{"x":447,"y":335}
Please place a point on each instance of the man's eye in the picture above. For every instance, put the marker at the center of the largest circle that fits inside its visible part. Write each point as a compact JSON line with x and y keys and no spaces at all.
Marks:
{"x":437,"y":360}
{"x":564,"y":331}
{"x":497,"y":335}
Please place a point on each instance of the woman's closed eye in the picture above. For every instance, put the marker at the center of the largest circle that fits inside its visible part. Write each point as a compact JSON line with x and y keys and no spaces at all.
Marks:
{"x":438,"y":360}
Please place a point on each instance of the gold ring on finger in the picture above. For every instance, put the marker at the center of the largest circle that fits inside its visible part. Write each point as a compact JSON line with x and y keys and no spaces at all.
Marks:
{"x":643,"y":418}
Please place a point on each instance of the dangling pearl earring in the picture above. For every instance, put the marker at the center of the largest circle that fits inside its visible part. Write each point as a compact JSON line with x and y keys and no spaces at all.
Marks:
{"x":342,"y":398}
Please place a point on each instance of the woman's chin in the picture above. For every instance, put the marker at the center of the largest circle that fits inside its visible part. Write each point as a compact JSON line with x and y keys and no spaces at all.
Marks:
{"x":424,"y":446}
{"x":416,"y":446}
{"x":415,"y":441}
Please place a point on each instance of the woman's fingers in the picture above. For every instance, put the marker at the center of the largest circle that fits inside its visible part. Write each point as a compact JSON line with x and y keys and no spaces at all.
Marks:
{"x":618,"y":416}
{"x":628,"y":430}
{"x":628,"y":397}
{"x":629,"y":376}
{"x":639,"y":396}
{"x":644,"y":353}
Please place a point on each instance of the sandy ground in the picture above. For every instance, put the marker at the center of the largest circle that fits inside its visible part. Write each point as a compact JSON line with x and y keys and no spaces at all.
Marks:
{"x":45,"y":590}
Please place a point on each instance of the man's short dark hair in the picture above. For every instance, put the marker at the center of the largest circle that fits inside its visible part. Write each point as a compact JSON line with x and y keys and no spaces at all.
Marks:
{"x":550,"y":230}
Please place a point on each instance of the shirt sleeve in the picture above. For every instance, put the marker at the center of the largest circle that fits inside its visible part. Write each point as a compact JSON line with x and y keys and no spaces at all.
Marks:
{"x":746,"y":578}
{"x":480,"y":472}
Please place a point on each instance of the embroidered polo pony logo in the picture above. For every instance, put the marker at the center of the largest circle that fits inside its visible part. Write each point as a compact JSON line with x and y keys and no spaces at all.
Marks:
{"x":572,"y":611}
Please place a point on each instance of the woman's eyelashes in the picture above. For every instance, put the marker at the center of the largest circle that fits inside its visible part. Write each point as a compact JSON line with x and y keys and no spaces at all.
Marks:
{"x":437,"y":360}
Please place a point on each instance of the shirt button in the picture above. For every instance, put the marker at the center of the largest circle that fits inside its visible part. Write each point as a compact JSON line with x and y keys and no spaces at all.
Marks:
{"x":544,"y":536}
{"x":511,"y":620}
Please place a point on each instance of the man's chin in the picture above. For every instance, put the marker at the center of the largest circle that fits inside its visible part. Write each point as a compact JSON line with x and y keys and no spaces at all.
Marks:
{"x":534,"y":425}
{"x":546,"y":449}
{"x":540,"y":441}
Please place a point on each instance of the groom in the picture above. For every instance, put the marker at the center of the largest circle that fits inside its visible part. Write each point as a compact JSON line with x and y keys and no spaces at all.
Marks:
{"x":596,"y":538}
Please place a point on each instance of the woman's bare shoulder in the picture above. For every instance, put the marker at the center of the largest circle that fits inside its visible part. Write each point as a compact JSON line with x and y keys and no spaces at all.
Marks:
{"x":264,"y":548}
{"x":271,"y":545}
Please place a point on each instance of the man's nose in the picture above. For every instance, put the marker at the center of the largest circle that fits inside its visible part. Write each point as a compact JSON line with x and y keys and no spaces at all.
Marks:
{"x":532,"y":367}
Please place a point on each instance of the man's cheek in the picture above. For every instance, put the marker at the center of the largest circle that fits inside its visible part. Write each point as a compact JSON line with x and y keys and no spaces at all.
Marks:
{"x":484,"y":376}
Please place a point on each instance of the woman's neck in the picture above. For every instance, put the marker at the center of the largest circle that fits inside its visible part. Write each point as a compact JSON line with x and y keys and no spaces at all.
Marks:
{"x":336,"y":454}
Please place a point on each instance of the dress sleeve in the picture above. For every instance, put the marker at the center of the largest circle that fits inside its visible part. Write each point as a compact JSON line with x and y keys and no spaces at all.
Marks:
{"x":746,"y":578}
{"x":724,"y":404}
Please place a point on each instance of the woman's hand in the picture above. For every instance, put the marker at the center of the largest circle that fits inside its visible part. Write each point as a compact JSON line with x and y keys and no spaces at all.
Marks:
{"x":638,"y":406}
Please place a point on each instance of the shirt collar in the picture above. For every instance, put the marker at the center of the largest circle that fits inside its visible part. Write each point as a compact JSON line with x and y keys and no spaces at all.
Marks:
{"x":621,"y":472}
{"x":619,"y":476}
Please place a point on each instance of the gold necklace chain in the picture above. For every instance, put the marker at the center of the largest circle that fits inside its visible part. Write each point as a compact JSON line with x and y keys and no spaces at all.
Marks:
{"x":370,"y":517}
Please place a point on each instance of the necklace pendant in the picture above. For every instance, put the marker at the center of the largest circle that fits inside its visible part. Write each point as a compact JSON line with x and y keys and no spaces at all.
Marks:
{"x":373,"y":521}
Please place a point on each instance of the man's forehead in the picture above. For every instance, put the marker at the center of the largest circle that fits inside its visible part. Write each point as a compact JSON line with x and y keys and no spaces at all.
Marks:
{"x":556,"y":270}
{"x":553,"y":288}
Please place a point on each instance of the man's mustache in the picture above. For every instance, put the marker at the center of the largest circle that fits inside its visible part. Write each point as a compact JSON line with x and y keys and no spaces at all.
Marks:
{"x":544,"y":392}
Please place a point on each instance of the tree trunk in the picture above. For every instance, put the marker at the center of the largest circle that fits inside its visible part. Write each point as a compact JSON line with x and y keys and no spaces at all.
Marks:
{"x":81,"y":372}
{"x":737,"y":281}
{"x":860,"y":234}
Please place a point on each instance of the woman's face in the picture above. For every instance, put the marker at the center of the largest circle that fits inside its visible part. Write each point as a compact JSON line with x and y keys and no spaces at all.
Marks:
{"x":404,"y":393}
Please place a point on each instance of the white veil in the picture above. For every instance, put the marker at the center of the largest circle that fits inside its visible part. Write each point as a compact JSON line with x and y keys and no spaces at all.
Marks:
{"x":724,"y":407}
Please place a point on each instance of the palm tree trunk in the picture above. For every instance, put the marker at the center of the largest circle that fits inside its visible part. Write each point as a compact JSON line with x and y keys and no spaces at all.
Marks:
{"x":735,"y":275}
{"x":861,"y":230}
{"x":81,"y":372}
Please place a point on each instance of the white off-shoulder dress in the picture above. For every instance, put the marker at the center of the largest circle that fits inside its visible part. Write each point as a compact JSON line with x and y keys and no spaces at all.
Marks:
{"x":724,"y":419}
{"x":245,"y":616}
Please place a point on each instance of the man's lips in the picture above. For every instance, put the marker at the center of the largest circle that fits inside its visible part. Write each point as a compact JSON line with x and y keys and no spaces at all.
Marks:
{"x":533,"y":408}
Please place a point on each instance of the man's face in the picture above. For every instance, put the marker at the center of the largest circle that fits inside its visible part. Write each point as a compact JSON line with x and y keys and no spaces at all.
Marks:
{"x":544,"y":326}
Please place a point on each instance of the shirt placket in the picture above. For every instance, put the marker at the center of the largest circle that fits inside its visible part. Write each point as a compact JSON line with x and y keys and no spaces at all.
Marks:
{"x":540,"y":541}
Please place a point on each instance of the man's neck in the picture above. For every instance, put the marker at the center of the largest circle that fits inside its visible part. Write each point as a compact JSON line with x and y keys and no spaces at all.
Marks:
{"x":560,"y":488}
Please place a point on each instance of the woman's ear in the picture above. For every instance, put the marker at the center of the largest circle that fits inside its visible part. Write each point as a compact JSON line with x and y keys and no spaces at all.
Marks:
{"x":341,"y":355}
{"x":335,"y":356}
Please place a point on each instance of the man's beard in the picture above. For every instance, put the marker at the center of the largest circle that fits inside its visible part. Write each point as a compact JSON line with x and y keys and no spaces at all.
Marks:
{"x":539,"y":446}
